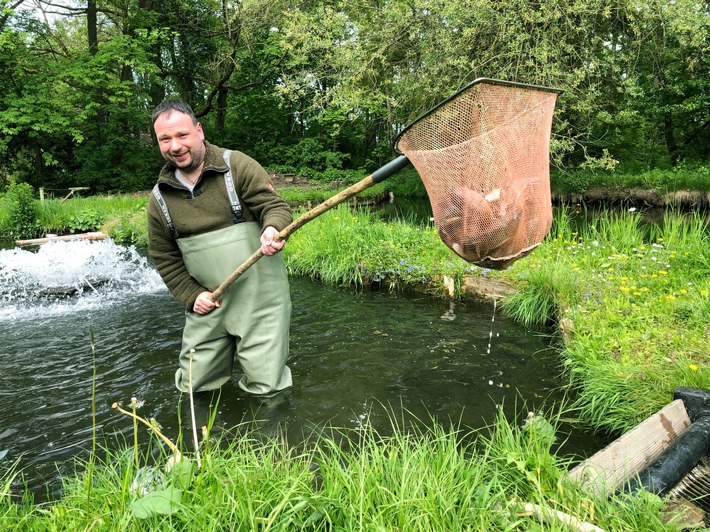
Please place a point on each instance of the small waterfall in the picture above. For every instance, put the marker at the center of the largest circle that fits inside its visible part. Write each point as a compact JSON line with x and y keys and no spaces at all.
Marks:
{"x":63,"y":277}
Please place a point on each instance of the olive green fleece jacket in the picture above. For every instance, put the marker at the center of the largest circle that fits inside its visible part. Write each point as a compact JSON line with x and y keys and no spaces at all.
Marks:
{"x":205,"y":209}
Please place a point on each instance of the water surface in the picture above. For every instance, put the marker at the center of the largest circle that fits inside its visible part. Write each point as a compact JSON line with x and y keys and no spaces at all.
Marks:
{"x":357,"y":358}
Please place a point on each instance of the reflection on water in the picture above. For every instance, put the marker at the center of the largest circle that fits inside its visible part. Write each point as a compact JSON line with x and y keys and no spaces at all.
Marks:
{"x":351,"y":353}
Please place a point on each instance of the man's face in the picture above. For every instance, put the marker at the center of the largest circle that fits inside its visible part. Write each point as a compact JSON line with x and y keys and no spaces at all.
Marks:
{"x":181,"y":142}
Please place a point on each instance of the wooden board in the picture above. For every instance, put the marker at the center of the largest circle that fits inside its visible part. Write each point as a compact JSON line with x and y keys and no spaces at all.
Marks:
{"x":65,"y":238}
{"x":608,"y":469}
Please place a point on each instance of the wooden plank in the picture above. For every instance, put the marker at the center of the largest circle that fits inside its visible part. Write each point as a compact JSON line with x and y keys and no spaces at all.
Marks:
{"x":608,"y":469}
{"x":71,"y":193}
{"x":65,"y":238}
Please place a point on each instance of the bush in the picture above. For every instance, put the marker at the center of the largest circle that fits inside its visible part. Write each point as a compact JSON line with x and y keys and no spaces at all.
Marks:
{"x":22,"y":211}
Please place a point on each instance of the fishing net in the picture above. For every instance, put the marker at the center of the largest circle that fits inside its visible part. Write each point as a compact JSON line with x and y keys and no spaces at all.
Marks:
{"x":483,"y":156}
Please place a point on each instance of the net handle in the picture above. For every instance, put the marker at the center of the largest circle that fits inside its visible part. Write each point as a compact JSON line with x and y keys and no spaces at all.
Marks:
{"x":377,"y":176}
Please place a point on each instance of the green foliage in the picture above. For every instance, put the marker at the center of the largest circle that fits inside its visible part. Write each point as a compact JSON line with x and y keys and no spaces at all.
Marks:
{"x":22,"y":211}
{"x":130,"y":230}
{"x":324,"y":87}
{"x":406,"y":184}
{"x":683,"y":177}
{"x":419,"y":476}
{"x":571,"y":182}
{"x":307,"y":155}
{"x":87,"y":220}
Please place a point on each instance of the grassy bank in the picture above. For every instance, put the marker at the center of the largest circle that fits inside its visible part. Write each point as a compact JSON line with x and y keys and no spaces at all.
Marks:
{"x":122,"y":217}
{"x":418,"y":478}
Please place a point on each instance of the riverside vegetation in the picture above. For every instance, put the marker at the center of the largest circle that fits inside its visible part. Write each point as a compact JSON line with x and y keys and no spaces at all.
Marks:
{"x":629,"y":304}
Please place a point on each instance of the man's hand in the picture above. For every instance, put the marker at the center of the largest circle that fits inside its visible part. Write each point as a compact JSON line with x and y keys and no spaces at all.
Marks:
{"x":269,"y":246}
{"x":204,"y":304}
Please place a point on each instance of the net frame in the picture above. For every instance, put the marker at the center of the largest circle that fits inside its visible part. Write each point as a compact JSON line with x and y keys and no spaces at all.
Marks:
{"x":483,"y":156}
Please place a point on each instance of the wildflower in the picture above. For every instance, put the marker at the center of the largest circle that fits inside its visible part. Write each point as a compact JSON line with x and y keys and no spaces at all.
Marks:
{"x":136,"y":403}
{"x":693,"y":367}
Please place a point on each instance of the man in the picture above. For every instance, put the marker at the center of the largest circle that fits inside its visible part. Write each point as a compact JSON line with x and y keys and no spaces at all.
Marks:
{"x":210,"y":210}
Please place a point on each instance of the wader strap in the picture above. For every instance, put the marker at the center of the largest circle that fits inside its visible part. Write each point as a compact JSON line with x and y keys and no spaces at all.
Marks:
{"x":166,"y":213}
{"x":229,"y":185}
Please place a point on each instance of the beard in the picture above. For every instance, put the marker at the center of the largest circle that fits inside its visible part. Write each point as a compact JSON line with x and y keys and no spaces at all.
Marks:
{"x":191,"y":160}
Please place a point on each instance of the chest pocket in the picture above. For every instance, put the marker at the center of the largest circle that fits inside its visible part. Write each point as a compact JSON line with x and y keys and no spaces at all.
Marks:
{"x":235,"y":205}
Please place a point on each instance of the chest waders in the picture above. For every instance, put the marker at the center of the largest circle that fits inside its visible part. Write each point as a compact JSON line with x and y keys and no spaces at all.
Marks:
{"x":252,"y":321}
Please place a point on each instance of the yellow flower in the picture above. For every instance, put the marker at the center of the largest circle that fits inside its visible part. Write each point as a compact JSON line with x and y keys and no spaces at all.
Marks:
{"x":693,"y":367}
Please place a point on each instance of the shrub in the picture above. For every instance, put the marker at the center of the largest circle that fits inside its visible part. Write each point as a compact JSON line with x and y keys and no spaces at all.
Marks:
{"x":22,"y":211}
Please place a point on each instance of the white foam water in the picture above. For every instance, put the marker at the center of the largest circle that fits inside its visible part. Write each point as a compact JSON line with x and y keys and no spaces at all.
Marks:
{"x":63,"y":277}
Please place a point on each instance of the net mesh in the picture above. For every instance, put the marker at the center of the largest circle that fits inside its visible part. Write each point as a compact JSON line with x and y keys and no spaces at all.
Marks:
{"x":483,"y":156}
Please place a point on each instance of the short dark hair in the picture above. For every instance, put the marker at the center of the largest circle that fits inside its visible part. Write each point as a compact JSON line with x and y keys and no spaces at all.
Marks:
{"x":168,"y":106}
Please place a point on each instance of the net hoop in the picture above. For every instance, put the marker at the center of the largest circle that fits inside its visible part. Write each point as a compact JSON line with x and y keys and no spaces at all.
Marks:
{"x":483,"y":156}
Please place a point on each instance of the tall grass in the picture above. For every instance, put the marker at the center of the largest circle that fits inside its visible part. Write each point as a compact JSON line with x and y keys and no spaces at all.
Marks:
{"x":344,"y":246}
{"x":349,"y":247}
{"x":636,"y":302}
{"x":121,"y":217}
{"x":419,"y":477}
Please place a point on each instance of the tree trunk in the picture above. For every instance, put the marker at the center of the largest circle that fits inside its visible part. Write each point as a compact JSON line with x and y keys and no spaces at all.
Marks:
{"x":91,"y":27}
{"x":671,"y":143}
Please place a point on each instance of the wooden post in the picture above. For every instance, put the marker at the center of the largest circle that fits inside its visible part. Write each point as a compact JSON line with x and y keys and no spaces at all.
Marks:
{"x":608,"y":469}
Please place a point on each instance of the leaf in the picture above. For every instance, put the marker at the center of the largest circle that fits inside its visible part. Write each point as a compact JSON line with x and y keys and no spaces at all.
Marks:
{"x":182,"y":472}
{"x":164,"y":502}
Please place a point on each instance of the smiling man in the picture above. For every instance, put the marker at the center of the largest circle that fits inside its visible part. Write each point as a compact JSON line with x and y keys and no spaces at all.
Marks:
{"x":210,"y":210}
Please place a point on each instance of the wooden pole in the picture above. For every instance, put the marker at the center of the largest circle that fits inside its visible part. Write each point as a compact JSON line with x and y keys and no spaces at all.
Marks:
{"x":295,"y":225}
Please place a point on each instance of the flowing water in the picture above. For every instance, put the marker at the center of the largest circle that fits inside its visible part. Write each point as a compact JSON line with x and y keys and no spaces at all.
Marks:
{"x":74,"y":315}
